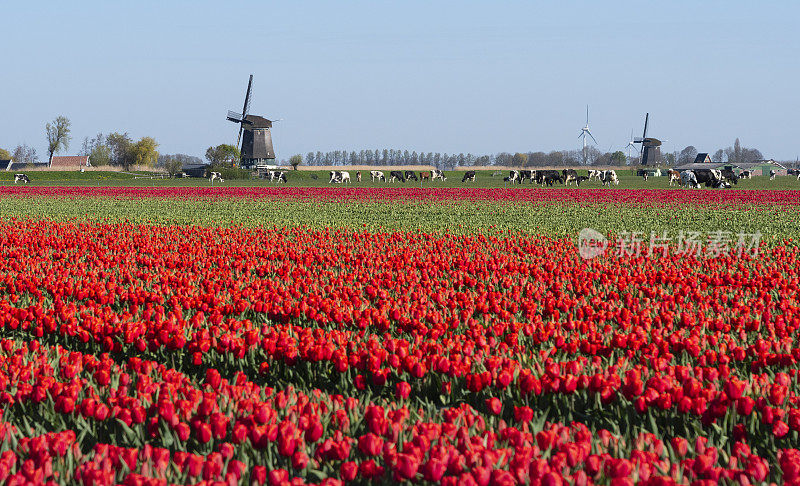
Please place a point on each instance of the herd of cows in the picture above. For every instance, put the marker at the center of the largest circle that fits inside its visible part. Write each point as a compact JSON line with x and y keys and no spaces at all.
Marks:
{"x":715,"y":178}
{"x":543,"y":177}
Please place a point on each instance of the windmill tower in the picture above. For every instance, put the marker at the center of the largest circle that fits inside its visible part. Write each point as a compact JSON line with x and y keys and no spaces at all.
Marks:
{"x":585,"y":131}
{"x":651,"y":147}
{"x":256,"y":148}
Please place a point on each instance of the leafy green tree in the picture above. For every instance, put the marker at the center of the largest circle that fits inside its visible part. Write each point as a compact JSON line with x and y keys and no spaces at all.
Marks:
{"x":144,"y":152}
{"x":121,"y":149}
{"x":222,"y":155}
{"x":618,"y":158}
{"x":295,"y":160}
{"x":173,"y":166}
{"x":4,"y":154}
{"x":58,"y":136}
{"x":100,"y":155}
{"x":519,"y":160}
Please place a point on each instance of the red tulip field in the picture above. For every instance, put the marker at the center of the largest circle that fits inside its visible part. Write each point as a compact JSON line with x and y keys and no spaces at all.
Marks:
{"x":345,"y":336}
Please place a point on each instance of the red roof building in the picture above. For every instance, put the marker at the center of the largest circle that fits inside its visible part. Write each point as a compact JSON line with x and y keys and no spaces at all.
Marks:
{"x":70,"y":161}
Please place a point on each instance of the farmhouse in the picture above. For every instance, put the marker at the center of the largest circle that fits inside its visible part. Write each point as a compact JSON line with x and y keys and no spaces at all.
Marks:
{"x":70,"y":162}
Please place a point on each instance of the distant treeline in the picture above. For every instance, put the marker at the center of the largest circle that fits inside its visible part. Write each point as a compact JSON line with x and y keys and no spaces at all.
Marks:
{"x":445,"y":161}
{"x":556,"y":158}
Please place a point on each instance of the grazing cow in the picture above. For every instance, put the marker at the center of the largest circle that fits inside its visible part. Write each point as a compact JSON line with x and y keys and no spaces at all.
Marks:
{"x":396,"y":175}
{"x":277,"y":175}
{"x":689,"y":179}
{"x":772,"y":174}
{"x":721,"y":184}
{"x":745,"y":174}
{"x":569,"y":175}
{"x":581,"y":179}
{"x":527,"y":174}
{"x":642,"y":173}
{"x":595,"y":174}
{"x":339,"y":177}
{"x":410,"y":175}
{"x":437,"y":174}
{"x":542,"y":175}
{"x":729,"y":176}
{"x":551,"y":179}
{"x":709,"y":177}
{"x":469,"y":175}
{"x":674,"y":176}
{"x":376,"y":174}
{"x":358,"y":176}
{"x":609,"y":177}
{"x":21,"y":178}
{"x":216,"y":176}
{"x":425,"y":176}
{"x":513,"y":176}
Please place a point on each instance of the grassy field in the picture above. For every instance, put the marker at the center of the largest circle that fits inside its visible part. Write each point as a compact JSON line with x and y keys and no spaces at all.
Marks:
{"x":306,"y":179}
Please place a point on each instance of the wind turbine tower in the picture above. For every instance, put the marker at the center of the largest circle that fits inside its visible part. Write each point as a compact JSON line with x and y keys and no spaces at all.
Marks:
{"x":585,"y":131}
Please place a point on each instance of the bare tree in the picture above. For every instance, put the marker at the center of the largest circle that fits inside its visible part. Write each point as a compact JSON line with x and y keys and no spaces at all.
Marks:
{"x":58,"y":136}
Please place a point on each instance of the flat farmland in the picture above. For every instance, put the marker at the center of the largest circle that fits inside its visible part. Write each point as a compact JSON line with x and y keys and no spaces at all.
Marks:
{"x":306,"y":178}
{"x":329,"y":335}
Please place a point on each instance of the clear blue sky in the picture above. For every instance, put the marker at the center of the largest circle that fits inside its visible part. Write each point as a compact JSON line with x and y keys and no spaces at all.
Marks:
{"x":478,"y":77}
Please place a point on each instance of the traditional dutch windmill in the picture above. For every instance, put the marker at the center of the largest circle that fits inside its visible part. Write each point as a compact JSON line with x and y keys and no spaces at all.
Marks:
{"x":256,"y":146}
{"x":651,"y":147}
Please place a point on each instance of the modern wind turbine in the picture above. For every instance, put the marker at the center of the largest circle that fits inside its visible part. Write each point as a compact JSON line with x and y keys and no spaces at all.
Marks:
{"x":631,"y":145}
{"x":585,"y":131}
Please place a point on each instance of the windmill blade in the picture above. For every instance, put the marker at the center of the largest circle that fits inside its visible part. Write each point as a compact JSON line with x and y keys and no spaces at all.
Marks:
{"x":646,"y":119}
{"x":590,"y":134}
{"x":246,"y":108}
{"x":582,"y":134}
{"x":587,"y":115}
{"x":235,"y":117}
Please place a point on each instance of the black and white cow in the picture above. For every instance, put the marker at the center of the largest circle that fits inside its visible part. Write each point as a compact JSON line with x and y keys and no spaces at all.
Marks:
{"x":513,"y":176}
{"x":746,"y":174}
{"x":608,"y":177}
{"x":277,"y":175}
{"x":377,"y":175}
{"x":772,"y":174}
{"x":581,"y":179}
{"x":569,"y":175}
{"x":396,"y":175}
{"x":216,"y":176}
{"x":469,"y":175}
{"x":358,"y":176}
{"x":437,"y":174}
{"x":709,"y":177}
{"x":689,"y":179}
{"x":21,"y":178}
{"x":595,"y":174}
{"x":527,"y":174}
{"x":642,"y":173}
{"x":551,"y":179}
{"x":339,"y":177}
{"x":410,"y":175}
{"x":729,"y":176}
{"x":542,"y":175}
